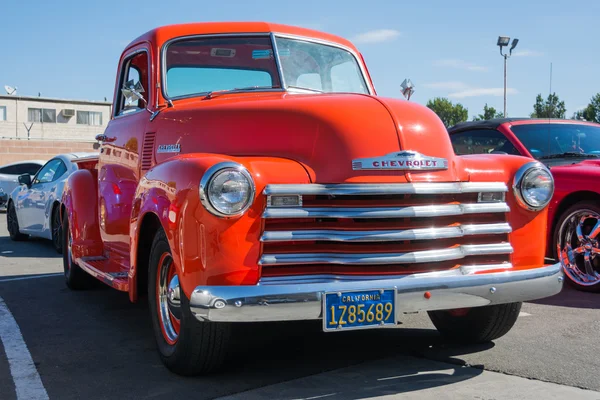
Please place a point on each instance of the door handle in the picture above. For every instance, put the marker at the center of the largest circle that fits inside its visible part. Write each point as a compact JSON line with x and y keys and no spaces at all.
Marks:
{"x":103,"y":138}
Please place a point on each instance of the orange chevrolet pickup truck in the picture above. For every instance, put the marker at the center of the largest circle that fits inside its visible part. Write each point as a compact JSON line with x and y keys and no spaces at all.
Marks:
{"x":250,"y":173}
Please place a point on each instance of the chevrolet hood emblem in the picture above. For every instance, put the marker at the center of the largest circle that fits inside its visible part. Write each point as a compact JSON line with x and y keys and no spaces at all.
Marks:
{"x":407,"y":160}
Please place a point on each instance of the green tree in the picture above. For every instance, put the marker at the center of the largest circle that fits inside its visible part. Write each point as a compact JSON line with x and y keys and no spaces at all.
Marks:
{"x":591,"y":112}
{"x":488,"y":113}
{"x":450,"y":114}
{"x":553,"y":107}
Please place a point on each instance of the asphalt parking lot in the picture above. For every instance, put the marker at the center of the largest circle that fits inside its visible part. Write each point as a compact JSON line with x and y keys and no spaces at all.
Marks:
{"x":96,"y":345}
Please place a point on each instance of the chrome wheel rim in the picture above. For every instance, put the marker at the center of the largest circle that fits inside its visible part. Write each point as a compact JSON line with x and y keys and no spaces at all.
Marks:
{"x":168,"y":299}
{"x":578,"y":247}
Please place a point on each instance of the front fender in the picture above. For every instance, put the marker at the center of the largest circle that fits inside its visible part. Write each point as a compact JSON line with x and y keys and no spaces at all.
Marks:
{"x":528,"y":236}
{"x":207,"y":250}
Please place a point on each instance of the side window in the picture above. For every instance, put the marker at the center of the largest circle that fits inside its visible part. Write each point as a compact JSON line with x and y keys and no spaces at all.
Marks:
{"x":28,"y":168}
{"x":6,"y":170}
{"x":49,"y":172}
{"x":480,"y":141}
{"x":135,"y":69}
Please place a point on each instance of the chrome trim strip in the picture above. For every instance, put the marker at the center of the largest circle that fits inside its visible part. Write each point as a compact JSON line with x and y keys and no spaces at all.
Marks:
{"x":373,"y":189}
{"x":387,"y":212}
{"x":328,"y":278}
{"x":386,"y":235}
{"x":437,"y":255}
{"x":293,"y":302}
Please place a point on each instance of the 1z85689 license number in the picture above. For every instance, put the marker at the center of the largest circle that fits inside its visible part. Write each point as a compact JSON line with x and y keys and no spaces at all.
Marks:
{"x":359,"y":309}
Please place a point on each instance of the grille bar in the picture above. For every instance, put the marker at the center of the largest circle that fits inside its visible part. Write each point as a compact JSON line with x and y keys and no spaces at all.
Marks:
{"x":322,"y":278}
{"x":387,"y":212}
{"x":369,"y":189}
{"x":454,"y":253}
{"x":385,"y":235}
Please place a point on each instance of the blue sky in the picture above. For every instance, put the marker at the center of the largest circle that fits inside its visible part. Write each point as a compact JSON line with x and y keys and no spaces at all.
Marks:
{"x":70,"y":49}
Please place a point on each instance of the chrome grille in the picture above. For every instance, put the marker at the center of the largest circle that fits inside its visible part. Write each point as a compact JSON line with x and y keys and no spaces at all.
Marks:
{"x":385,"y":229}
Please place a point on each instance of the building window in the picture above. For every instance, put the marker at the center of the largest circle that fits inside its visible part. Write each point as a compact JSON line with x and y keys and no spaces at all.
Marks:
{"x":2,"y":113}
{"x":43,"y":115}
{"x":89,"y":118}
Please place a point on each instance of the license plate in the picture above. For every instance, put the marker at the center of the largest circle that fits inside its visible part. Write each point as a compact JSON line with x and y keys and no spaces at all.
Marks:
{"x":360,"y":309}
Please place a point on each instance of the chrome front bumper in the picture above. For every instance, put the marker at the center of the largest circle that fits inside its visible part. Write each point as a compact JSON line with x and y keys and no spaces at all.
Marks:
{"x":302,"y":301}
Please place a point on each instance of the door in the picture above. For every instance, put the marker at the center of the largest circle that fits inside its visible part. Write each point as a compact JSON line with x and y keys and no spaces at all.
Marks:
{"x":118,"y":170}
{"x":32,"y":203}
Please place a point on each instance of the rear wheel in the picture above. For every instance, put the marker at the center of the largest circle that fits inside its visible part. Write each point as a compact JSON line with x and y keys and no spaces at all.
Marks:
{"x":75,"y":277}
{"x":577,"y":242}
{"x":186,"y":345}
{"x":478,"y":324}
{"x":13,"y":224}
{"x":57,"y":230}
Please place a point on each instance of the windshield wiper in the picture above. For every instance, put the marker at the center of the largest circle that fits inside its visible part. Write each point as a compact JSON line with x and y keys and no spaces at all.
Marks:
{"x":212,"y":93}
{"x":304,"y":88}
{"x":568,"y":155}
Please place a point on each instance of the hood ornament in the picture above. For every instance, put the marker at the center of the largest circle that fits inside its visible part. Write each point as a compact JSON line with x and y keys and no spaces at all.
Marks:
{"x":406,"y":160}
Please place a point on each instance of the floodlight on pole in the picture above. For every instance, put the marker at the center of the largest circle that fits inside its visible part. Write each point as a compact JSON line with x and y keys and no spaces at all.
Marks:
{"x":503,"y":41}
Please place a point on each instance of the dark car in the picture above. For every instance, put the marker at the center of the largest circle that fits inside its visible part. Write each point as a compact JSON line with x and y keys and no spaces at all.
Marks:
{"x":571,"y":149}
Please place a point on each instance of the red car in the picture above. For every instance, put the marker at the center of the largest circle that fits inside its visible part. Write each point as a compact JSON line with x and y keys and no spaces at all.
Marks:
{"x":571,"y":149}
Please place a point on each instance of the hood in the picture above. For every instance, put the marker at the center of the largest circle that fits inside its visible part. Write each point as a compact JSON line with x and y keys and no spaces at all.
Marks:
{"x":584,"y":170}
{"x":323,"y":132}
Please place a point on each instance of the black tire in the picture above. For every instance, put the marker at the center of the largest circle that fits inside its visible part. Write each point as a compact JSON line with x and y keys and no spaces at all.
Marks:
{"x":559,"y":230}
{"x":12,"y":223}
{"x":478,"y":324}
{"x":75,"y":277}
{"x":200,"y":347}
{"x":56,"y":228}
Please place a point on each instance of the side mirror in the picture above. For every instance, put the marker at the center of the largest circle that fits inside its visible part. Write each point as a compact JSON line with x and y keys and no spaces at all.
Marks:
{"x":25,"y":179}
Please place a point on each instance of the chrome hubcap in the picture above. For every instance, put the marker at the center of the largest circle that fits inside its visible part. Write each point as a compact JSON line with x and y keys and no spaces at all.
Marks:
{"x":169,"y":299}
{"x":578,"y":247}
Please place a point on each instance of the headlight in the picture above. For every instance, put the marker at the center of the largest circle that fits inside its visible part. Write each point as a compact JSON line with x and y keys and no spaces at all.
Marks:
{"x":227,"y":189}
{"x":533,"y":186}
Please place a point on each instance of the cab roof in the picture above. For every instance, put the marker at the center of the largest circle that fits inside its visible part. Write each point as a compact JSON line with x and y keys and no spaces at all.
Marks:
{"x":160,"y":35}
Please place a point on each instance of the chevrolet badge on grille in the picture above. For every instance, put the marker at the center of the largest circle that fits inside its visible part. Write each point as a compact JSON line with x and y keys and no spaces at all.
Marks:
{"x":403,"y":160}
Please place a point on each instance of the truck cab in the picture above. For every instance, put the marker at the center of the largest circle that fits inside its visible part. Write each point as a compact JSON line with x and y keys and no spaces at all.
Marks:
{"x":251,"y":173}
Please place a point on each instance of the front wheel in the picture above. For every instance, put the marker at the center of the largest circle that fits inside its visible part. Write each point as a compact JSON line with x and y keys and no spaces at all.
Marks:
{"x":186,"y":345}
{"x":12,"y":223}
{"x":476,"y":325}
{"x":577,"y":245}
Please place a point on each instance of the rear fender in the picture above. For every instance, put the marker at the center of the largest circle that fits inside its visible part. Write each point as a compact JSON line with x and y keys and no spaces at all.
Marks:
{"x":80,"y":200}
{"x":206,"y":249}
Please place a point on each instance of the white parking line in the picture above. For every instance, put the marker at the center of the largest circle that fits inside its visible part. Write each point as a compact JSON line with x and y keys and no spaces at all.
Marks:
{"x":28,"y":383}
{"x":23,"y":278}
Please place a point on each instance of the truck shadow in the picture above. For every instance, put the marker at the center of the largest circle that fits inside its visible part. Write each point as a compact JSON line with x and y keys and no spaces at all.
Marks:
{"x":99,"y":333}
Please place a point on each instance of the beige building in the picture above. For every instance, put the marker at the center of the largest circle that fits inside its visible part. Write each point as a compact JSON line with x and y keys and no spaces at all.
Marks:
{"x":52,"y":119}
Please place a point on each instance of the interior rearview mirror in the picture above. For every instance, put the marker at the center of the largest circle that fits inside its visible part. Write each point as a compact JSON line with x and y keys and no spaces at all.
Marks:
{"x":25,"y":179}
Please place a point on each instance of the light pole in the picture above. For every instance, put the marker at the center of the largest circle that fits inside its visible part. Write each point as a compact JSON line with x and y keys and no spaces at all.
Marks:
{"x":502,"y":42}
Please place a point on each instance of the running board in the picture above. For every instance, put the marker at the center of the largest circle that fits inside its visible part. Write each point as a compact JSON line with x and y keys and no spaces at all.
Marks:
{"x":110,"y":273}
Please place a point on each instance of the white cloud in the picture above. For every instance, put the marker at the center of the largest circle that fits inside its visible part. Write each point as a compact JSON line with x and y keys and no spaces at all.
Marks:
{"x":377,"y":36}
{"x":475,"y":91}
{"x":460,"y":90}
{"x":527,"y":53}
{"x":459,"y":64}
{"x":450,"y":85}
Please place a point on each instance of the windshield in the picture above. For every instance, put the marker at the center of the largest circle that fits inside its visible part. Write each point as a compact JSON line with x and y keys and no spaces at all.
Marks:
{"x":319,"y":67}
{"x":544,"y":140}
{"x":196,"y":66}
